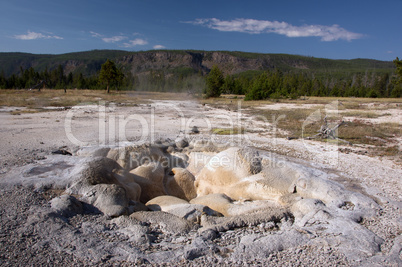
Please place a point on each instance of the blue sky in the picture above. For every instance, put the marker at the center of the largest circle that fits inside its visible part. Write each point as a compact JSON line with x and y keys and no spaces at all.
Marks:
{"x":330,"y":29}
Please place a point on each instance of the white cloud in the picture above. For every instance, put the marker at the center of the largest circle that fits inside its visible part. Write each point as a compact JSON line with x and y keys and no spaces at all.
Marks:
{"x":159,"y":47}
{"x":119,"y":39}
{"x":95,"y":34}
{"x":252,"y":26}
{"x":114,"y":39}
{"x":135,"y":42}
{"x":35,"y":35}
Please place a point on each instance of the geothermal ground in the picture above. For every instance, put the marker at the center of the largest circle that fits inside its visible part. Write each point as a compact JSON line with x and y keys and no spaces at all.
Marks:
{"x":180,"y":182}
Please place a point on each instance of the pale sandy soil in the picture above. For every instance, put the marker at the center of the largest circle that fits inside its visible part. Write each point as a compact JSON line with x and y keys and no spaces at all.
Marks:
{"x":279,"y":106}
{"x":30,"y":137}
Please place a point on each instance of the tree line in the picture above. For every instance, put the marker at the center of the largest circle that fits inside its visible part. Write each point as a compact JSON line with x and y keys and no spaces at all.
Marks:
{"x":109,"y":77}
{"x":55,"y":79}
{"x":273,"y":84}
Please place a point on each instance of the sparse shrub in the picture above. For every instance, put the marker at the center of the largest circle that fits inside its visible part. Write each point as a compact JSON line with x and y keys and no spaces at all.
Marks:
{"x":276,"y":96}
{"x":372,"y":93}
{"x":397,"y":91}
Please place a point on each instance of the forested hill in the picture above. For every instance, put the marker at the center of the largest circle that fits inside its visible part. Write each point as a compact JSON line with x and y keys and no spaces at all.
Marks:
{"x":88,"y":63}
{"x":258,"y":76}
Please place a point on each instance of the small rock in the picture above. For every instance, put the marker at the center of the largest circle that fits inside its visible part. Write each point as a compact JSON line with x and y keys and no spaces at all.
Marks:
{"x":181,"y":143}
{"x":208,"y":235}
{"x":62,"y":151}
{"x":66,"y":205}
{"x":194,"y":130}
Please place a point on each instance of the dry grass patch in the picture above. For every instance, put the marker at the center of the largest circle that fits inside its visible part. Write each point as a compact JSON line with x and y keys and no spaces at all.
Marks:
{"x":361,"y":132}
{"x":351,"y":105}
{"x":144,"y":95}
{"x":381,"y":137}
{"x":363,"y":114}
{"x":344,"y":103}
{"x":58,"y":98}
{"x":228,"y":131}
{"x":392,"y":127}
{"x":291,"y":121}
{"x":296,"y":124}
{"x":25,"y":111}
{"x":391,"y":151}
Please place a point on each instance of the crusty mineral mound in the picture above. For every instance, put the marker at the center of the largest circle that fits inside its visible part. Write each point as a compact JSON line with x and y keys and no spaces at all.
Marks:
{"x":180,"y":183}
{"x":194,"y":200}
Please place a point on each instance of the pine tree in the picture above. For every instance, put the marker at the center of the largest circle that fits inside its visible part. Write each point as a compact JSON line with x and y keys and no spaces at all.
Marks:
{"x":109,"y":74}
{"x":398,"y":72}
{"x":214,"y":82}
{"x":397,"y":90}
{"x":3,"y":81}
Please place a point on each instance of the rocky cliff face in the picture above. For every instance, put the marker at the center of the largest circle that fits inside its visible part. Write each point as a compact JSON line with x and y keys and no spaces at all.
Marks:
{"x":232,"y":64}
{"x":89,"y":62}
{"x":72,"y":65}
{"x":141,"y":62}
{"x":199,"y":61}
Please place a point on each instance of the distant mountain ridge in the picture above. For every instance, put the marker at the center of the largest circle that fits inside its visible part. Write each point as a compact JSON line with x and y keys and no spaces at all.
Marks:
{"x":89,"y":62}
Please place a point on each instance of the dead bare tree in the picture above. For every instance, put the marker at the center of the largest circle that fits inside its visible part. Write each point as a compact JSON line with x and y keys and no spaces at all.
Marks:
{"x":39,"y":85}
{"x":326,"y":132}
